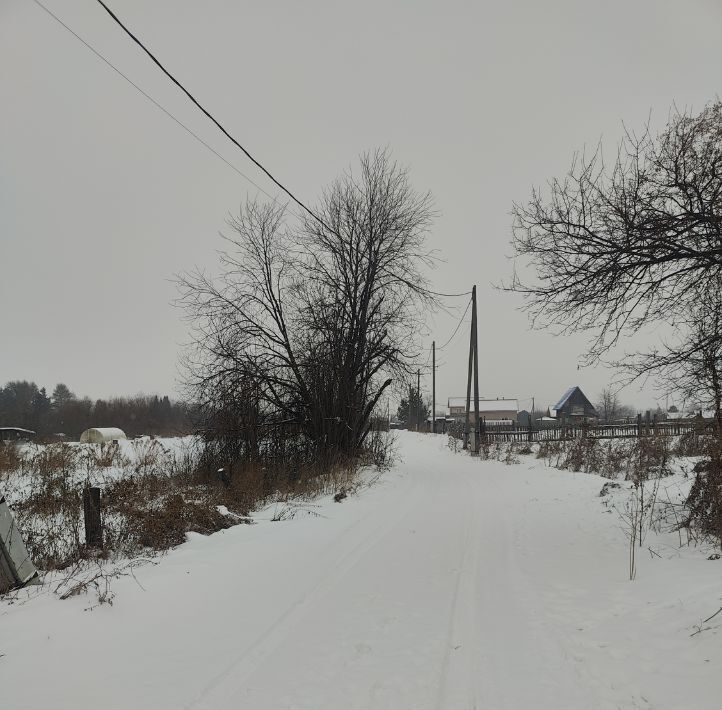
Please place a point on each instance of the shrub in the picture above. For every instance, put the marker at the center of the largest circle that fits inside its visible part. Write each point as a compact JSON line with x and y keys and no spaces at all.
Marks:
{"x":704,"y":503}
{"x":10,"y":459}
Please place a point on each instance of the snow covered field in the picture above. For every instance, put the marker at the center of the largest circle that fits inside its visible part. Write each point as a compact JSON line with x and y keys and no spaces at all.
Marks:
{"x":451,"y":583}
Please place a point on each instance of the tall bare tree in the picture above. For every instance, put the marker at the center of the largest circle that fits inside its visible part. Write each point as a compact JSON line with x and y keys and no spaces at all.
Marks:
{"x":308,"y":325}
{"x":613,"y":251}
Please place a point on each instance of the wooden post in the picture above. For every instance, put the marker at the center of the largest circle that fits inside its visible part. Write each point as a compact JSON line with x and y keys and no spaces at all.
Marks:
{"x":433,"y":387}
{"x":531,"y":421}
{"x":93,"y":521}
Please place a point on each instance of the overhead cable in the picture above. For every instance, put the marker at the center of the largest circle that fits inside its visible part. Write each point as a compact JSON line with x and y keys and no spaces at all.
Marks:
{"x":150,"y":98}
{"x":208,"y":114}
{"x":456,"y":330}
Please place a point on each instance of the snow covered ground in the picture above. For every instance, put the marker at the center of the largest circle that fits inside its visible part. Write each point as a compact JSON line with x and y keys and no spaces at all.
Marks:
{"x":451,"y":583}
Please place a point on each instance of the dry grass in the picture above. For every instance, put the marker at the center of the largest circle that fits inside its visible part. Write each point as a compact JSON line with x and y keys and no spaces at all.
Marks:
{"x":9,"y":459}
{"x":150,"y":499}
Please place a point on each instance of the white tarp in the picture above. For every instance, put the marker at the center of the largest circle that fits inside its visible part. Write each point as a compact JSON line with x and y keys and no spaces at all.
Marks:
{"x":16,"y":567}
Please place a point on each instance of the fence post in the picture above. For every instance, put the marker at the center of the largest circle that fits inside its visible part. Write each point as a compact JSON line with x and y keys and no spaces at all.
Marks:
{"x":93,"y":521}
{"x":639,"y":424}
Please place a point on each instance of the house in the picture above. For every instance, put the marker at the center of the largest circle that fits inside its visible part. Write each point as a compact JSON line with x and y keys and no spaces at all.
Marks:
{"x":574,"y":407}
{"x":491,"y":410}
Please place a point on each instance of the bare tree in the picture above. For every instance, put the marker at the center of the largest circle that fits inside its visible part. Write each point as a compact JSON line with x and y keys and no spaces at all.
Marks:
{"x":309,"y":325}
{"x":691,"y":366}
{"x":610,"y":406}
{"x":616,"y":250}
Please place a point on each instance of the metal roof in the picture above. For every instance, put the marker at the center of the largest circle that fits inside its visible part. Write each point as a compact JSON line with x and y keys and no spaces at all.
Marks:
{"x":565,"y":397}
{"x":568,"y":394}
{"x":487,"y":405}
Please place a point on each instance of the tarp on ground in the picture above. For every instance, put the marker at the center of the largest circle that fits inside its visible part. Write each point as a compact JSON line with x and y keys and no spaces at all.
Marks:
{"x":16,"y":567}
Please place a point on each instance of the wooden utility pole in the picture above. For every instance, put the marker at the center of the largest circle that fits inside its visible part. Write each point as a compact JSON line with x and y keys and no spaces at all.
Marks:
{"x":419,"y":407}
{"x":473,"y":372}
{"x":477,"y":423}
{"x":468,"y":385}
{"x":410,"y":417}
{"x":433,"y":387}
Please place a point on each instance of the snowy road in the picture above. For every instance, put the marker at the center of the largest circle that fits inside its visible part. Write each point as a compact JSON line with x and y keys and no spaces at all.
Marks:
{"x":452,"y":583}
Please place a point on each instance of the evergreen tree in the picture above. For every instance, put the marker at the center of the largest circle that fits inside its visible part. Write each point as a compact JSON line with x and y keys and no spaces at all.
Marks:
{"x":413,"y":410}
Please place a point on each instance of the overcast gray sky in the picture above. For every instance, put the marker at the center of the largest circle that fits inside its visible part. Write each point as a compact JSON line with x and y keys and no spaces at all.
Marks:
{"x":103,"y":198}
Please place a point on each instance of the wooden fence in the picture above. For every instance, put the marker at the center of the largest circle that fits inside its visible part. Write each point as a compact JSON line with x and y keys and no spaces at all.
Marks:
{"x":508,"y":432}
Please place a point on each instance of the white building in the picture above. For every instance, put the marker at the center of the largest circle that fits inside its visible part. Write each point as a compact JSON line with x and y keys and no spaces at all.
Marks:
{"x":491,"y":410}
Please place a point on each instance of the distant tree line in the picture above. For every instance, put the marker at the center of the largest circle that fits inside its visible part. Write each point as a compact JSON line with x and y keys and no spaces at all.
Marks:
{"x":24,"y":404}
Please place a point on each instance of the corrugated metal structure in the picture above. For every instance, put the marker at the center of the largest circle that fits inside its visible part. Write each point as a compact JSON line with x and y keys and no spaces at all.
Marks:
{"x":100,"y":435}
{"x":16,"y":567}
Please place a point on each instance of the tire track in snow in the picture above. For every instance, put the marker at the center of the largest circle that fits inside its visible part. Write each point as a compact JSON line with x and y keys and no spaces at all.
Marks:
{"x":453,"y":625}
{"x":468,"y":681}
{"x":241,"y":668}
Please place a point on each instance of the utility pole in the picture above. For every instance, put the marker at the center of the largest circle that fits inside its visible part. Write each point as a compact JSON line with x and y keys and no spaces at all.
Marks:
{"x":468,"y":384}
{"x":475,"y":336}
{"x":530,"y":436}
{"x":409,"y":415}
{"x":433,"y":387}
{"x":473,"y":372}
{"x":419,"y":407}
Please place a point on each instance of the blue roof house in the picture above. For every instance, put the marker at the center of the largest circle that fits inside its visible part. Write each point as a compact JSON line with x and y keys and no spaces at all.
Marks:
{"x":574,"y":406}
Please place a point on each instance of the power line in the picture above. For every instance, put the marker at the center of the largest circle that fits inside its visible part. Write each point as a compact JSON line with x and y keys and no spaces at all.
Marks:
{"x":212,"y":118}
{"x":150,"y":98}
{"x":456,"y":330}
{"x":449,"y":295}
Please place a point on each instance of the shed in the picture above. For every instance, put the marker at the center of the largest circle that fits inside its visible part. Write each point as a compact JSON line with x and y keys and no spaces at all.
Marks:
{"x":101,"y":435}
{"x":14,"y":433}
{"x":574,"y":406}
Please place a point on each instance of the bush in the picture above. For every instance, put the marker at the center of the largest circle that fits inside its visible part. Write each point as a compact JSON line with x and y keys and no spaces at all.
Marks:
{"x":10,"y":459}
{"x":704,"y":503}
{"x":691,"y":443}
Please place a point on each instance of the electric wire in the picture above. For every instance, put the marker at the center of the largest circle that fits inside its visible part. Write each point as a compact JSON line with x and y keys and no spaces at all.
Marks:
{"x":151,"y":99}
{"x":210,"y":116}
{"x":456,"y":330}
{"x":449,"y":295}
